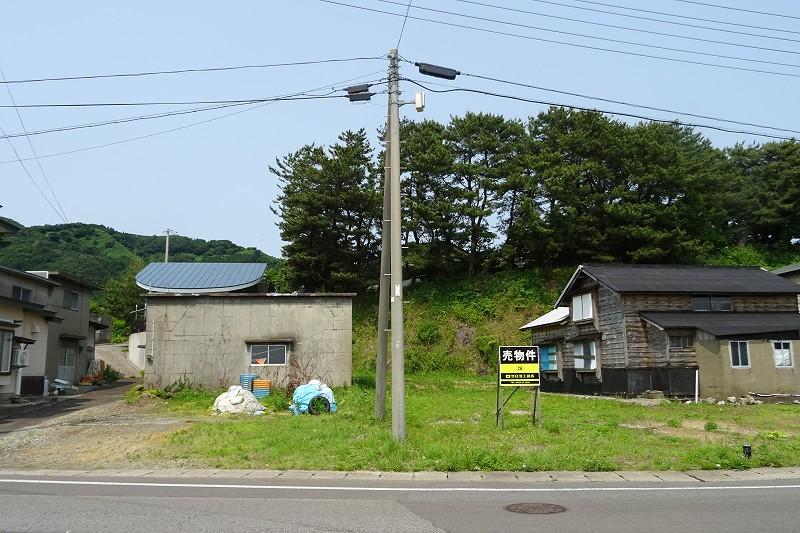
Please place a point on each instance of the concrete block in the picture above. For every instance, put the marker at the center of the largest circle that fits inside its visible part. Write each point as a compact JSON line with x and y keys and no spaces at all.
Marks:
{"x":604,"y":476}
{"x":296,"y":474}
{"x":710,"y":475}
{"x":430,"y":476}
{"x":464,"y":476}
{"x":101,"y":472}
{"x":363,"y":475}
{"x":131,"y":473}
{"x":534,"y":477}
{"x":231,"y":473}
{"x":329,"y":474}
{"x":670,"y":475}
{"x":165,"y":472}
{"x":639,"y":476}
{"x":500,"y":476}
{"x":198,"y":473}
{"x":264,"y":474}
{"x":568,"y":476}
{"x":397,"y":476}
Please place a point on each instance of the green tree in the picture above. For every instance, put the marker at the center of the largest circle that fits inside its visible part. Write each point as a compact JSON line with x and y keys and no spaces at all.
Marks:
{"x":121,"y":295}
{"x":330,"y":209}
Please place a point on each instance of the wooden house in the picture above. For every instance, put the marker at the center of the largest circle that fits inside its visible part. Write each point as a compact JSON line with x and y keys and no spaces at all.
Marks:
{"x":624,"y":329}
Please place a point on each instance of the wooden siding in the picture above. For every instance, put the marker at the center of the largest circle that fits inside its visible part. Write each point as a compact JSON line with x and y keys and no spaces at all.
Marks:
{"x":647,"y":345}
{"x":610,"y":318}
{"x":766,"y":302}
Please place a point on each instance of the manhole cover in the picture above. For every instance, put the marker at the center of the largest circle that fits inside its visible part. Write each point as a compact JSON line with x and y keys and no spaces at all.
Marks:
{"x":535,"y":508}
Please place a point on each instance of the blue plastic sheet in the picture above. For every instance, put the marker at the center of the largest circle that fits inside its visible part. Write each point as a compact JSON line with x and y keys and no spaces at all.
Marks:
{"x":305,"y":393}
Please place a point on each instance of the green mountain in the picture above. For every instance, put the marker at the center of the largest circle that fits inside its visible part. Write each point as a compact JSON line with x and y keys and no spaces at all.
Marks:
{"x":97,"y":253}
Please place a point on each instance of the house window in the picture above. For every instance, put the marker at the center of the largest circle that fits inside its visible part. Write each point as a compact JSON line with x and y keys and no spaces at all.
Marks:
{"x":582,"y":307}
{"x":740,"y":357}
{"x":548,"y":357}
{"x":585,"y":355}
{"x":6,"y":338}
{"x":71,"y":300}
{"x":782,"y":352}
{"x":268,"y":354}
{"x":712,"y":302}
{"x":681,"y":341}
{"x":20,"y":293}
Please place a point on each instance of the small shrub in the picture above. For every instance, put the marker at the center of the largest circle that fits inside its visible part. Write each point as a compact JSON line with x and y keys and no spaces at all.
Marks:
{"x":711,"y":426}
{"x":597,"y":464}
{"x":674,"y":423}
{"x":133,"y":395}
{"x":364,"y":381}
{"x":428,"y":333}
{"x":110,"y":375}
{"x":772,"y":435}
{"x":119,"y":331}
{"x":552,"y":427}
{"x":277,"y":400}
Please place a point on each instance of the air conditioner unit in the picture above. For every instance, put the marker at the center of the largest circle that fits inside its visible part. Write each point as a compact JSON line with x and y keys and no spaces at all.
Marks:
{"x":20,"y":358}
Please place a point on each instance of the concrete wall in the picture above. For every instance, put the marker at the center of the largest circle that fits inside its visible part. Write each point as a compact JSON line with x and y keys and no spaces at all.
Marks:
{"x":136,"y":355}
{"x":719,"y":379}
{"x":204,"y":339}
{"x":75,"y":324}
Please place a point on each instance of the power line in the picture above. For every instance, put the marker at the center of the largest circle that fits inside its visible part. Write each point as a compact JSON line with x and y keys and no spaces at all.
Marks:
{"x":587,"y":36}
{"x":403,"y":28}
{"x":30,"y":177}
{"x":191,"y":124}
{"x":191,"y":70}
{"x":33,"y":150}
{"x":640,"y":10}
{"x":781,"y":15}
{"x":192,"y":102}
{"x":628,"y":28}
{"x":628,"y":104}
{"x":675,"y":23}
{"x":594,"y":110}
{"x":564,"y":43}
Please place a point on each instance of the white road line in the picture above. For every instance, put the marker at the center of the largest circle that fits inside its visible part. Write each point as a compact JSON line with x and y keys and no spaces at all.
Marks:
{"x":388,"y":489}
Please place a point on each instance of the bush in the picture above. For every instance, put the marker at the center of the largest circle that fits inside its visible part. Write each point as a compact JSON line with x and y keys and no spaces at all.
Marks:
{"x":673,"y":423}
{"x":711,"y":426}
{"x":428,"y":333}
{"x":119,"y":331}
{"x":110,"y":375}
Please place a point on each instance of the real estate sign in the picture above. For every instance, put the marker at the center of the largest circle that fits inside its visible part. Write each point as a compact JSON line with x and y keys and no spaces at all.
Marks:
{"x":519,"y":366}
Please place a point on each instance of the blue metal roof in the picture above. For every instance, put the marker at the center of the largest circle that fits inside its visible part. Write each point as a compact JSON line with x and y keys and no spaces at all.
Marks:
{"x":198,"y":278}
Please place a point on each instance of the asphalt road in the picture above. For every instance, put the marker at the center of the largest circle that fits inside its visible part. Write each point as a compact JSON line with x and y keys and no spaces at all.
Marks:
{"x":118,"y":504}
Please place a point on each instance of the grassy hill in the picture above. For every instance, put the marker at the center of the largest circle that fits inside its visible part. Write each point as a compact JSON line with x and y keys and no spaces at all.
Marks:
{"x":97,"y":253}
{"x":457,"y":324}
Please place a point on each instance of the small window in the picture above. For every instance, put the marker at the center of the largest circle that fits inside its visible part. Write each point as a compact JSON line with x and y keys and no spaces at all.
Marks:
{"x":712,"y":302}
{"x":71,"y":300}
{"x":681,"y":341}
{"x":782,"y":352}
{"x":740,"y":358}
{"x":20,"y":293}
{"x":585,"y":355}
{"x":548,"y":358}
{"x":6,"y":338}
{"x":582,"y":307}
{"x":268,"y":354}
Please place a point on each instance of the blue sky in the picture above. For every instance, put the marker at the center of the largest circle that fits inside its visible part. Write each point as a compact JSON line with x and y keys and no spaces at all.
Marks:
{"x":212,"y":181}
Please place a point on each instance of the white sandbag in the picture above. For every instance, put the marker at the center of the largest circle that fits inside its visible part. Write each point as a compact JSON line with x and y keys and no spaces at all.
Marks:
{"x":238,"y":400}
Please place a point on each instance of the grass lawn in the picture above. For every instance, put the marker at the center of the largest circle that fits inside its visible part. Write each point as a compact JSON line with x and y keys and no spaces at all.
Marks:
{"x":451,"y":427}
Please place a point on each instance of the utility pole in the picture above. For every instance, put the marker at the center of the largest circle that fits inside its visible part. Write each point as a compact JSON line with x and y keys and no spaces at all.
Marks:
{"x":398,"y":358}
{"x":384,"y":289}
{"x":166,"y":247}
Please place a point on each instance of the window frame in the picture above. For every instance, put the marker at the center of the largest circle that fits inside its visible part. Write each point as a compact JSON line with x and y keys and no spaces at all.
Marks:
{"x":739,"y":353}
{"x":20,"y":293}
{"x":6,"y":350}
{"x":593,"y":356}
{"x":689,"y":342}
{"x":581,"y":299}
{"x":714,"y":302}
{"x":791,"y":353}
{"x":74,"y":302}
{"x":267,"y":346}
{"x":552,"y":358}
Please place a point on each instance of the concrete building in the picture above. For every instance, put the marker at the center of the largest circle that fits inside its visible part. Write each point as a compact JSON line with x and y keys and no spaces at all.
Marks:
{"x":25,"y":318}
{"x":209,"y":323}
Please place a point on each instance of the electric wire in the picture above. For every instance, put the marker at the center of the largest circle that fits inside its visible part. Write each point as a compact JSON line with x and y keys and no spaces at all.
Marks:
{"x":688,"y":17}
{"x":403,"y":27}
{"x":564,"y":43}
{"x":192,"y":124}
{"x":676,"y":23}
{"x":587,"y":36}
{"x":628,"y":28}
{"x":595,"y":110}
{"x":33,"y":150}
{"x":629,"y":104}
{"x":193,"y":70}
{"x":30,"y":177}
{"x":718,"y":6}
{"x":191,"y":102}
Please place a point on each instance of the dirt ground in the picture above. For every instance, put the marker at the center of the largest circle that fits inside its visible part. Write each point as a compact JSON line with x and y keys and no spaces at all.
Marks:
{"x":104,"y":436}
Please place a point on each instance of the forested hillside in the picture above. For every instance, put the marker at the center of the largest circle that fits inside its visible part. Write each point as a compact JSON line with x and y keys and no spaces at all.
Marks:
{"x":487,"y":194}
{"x":99,"y":253}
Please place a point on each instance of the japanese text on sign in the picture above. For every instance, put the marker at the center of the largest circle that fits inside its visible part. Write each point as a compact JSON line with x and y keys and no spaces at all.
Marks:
{"x":519,"y":366}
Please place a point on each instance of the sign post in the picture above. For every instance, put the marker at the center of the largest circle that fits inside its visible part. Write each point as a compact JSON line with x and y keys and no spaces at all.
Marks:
{"x":518,"y":366}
